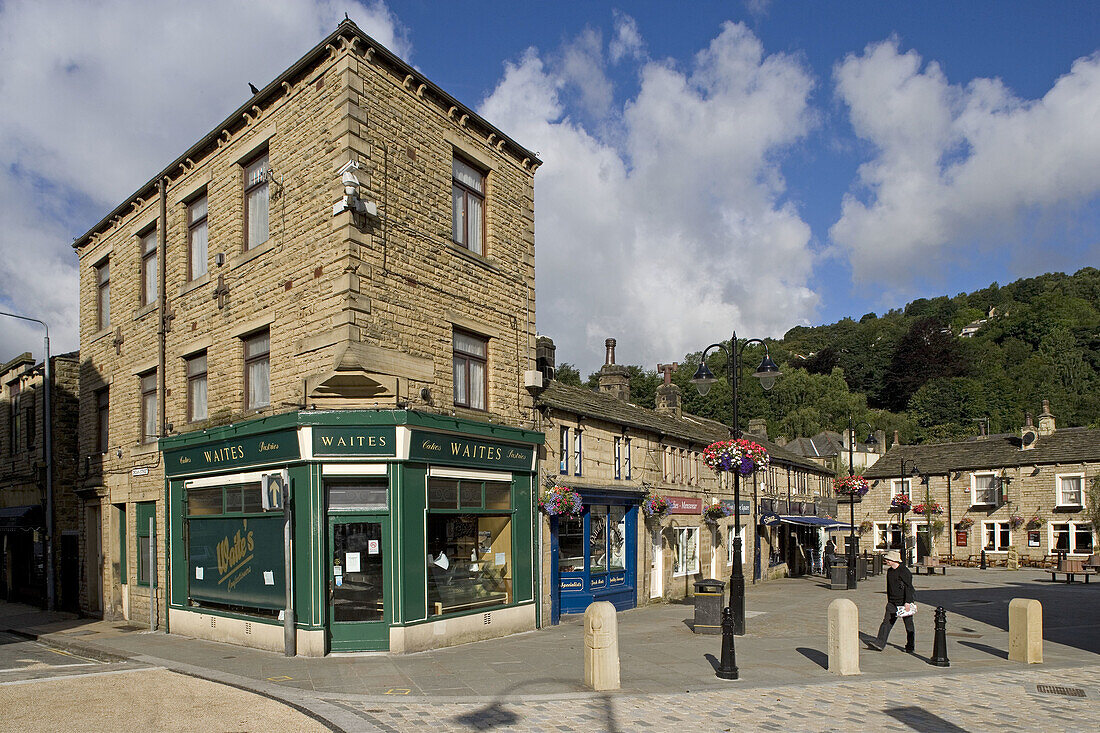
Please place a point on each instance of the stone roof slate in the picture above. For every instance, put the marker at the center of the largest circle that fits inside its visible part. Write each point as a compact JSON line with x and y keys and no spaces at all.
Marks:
{"x":1068,"y":445}
{"x":691,"y":428}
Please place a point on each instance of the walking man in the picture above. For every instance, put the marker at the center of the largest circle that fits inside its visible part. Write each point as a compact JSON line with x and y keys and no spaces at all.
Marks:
{"x":899,"y":601}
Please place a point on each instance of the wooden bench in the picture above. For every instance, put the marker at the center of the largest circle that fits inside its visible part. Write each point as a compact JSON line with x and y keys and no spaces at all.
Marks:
{"x":1070,"y":569}
{"x":931,"y":564}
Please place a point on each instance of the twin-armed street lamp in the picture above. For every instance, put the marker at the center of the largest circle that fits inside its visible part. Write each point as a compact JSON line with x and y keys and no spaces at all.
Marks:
{"x":913,"y":471}
{"x":853,"y":546}
{"x":733,"y":616}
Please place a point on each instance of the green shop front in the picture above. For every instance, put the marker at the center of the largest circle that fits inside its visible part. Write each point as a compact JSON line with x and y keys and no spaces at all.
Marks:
{"x":409,"y":531}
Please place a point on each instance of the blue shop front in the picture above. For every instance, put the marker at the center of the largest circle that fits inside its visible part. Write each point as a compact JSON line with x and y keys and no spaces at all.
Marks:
{"x":594,"y":557}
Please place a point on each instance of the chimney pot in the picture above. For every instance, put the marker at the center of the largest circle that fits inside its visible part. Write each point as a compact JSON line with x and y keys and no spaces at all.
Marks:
{"x":609,"y":358}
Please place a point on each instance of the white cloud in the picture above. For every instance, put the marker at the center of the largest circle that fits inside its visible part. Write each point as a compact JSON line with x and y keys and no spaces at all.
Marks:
{"x":627,"y":43}
{"x":671,"y":231}
{"x":957,"y":169}
{"x":98,"y":97}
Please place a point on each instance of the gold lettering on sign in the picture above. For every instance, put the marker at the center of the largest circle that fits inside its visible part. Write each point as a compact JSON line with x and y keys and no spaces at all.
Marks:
{"x":516,"y":455}
{"x":184,"y":460}
{"x":231,"y":557}
{"x":264,"y":446}
{"x":430,"y":445}
{"x":229,"y":452}
{"x":326,"y":440}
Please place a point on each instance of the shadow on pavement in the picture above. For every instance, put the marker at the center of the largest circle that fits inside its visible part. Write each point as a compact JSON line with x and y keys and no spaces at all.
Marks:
{"x":918,"y":718}
{"x":714,"y":662}
{"x":497,"y":715}
{"x":816,"y":656}
{"x":985,"y":648}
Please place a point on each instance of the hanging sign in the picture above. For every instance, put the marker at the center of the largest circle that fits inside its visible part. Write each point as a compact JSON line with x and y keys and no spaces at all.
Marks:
{"x":685,"y":504}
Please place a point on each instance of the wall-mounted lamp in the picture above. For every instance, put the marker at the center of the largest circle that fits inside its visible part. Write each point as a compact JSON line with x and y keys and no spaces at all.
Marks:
{"x":1037,"y":471}
{"x":219,"y":259}
{"x":350,"y":174}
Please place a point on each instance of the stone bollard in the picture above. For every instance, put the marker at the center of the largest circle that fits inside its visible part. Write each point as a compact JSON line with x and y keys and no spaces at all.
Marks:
{"x":601,"y":646}
{"x":843,"y":637}
{"x":1025,"y":631}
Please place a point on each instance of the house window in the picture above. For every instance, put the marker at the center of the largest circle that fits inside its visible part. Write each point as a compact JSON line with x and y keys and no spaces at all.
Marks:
{"x":149,"y":267}
{"x":685,"y":551}
{"x":196,"y":238}
{"x":32,"y":424}
{"x":983,"y":489}
{"x":13,"y":417}
{"x":148,"y":406}
{"x":1072,"y":537}
{"x":730,"y":535}
{"x":146,"y":510}
{"x":470,"y":373}
{"x":578,"y":451}
{"x":256,"y":175}
{"x":563,"y":451}
{"x":468,"y":204}
{"x":469,"y":545}
{"x":1071,"y":490}
{"x":996,"y":536}
{"x":626,"y":458}
{"x":887,"y":536}
{"x":257,"y":370}
{"x":902,"y":486}
{"x":196,"y":387}
{"x":103,"y":295}
{"x":618,"y":458}
{"x":102,"y":421}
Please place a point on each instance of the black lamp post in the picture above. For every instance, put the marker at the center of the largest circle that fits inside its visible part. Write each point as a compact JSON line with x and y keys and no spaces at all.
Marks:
{"x":733,"y":621}
{"x":853,"y":542}
{"x":913,"y":471}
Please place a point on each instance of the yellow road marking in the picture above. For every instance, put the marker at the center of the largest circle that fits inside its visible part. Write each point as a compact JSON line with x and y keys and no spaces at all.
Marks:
{"x":397,"y":691}
{"x":283,"y":678}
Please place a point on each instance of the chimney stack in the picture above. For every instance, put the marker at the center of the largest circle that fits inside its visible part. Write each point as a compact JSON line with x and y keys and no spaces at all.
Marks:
{"x":614,"y":379}
{"x":1046,"y":420}
{"x":669,"y":398}
{"x":758,"y":428}
{"x":544,"y":357}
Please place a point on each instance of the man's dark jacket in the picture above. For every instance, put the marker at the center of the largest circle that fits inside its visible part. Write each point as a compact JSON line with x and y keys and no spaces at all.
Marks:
{"x":899,"y":585}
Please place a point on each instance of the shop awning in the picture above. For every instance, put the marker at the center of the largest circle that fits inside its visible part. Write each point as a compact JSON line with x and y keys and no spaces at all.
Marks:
{"x":24,"y":518}
{"x":822,"y":522}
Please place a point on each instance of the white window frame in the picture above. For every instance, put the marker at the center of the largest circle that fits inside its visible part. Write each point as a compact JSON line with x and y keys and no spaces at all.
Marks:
{"x":563,"y":461}
{"x":578,"y":451}
{"x":618,"y":458}
{"x":999,"y":527}
{"x":885,"y":528}
{"x":682,"y":534}
{"x":730,"y":534}
{"x":901,"y":486}
{"x":1071,"y":526}
{"x":1058,"y":479}
{"x":974,"y":490}
{"x":626,"y":459}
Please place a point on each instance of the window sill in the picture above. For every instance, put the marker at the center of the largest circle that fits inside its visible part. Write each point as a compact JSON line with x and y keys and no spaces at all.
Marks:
{"x":251,"y":254}
{"x":1067,"y":508}
{"x":100,"y":334}
{"x":194,"y":284}
{"x":144,"y":311}
{"x":473,"y":257}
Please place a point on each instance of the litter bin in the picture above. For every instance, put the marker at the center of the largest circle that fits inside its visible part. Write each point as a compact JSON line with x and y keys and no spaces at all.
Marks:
{"x":838,"y":578}
{"x":708,"y":606}
{"x":878,"y":563}
{"x":862,"y":565}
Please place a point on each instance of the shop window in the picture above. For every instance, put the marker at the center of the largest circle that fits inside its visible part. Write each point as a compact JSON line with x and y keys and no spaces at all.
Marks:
{"x":468,"y":206}
{"x":1073,"y":537}
{"x":570,"y":544}
{"x":360,"y":495}
{"x":997,"y":536}
{"x":468,"y":545}
{"x":563,"y":451}
{"x":1071,"y":490}
{"x":685,"y":551}
{"x":146,"y":510}
{"x":983,"y":489}
{"x":597,"y":538}
{"x":470,"y":373}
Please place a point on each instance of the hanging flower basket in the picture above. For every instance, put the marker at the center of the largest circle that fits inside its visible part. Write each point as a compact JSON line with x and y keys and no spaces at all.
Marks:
{"x":655,"y":506}
{"x":964,"y":524}
{"x":865,"y":526}
{"x":561,"y":501}
{"x":932,"y":508}
{"x":1035,"y":522}
{"x":717,"y":510}
{"x":853,"y":486}
{"x":1015,"y":521}
{"x":938,"y":526}
{"x":740,"y":455}
{"x":901,"y":502}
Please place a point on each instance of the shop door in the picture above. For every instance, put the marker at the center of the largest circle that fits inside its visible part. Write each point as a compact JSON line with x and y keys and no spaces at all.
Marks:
{"x":923,"y":541}
{"x":359,"y":597}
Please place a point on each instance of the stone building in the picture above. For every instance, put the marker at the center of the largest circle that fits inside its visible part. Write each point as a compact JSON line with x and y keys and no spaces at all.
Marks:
{"x":333,"y":290}
{"x":615,"y":453}
{"x":830,"y":449}
{"x":27,"y":508}
{"x":1021,"y":493}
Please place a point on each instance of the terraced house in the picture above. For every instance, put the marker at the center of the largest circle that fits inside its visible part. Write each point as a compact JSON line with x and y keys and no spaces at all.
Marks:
{"x":1019,"y":497}
{"x":323,"y":308}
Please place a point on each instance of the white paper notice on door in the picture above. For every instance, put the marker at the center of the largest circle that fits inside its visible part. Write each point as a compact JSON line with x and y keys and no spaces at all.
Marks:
{"x":372,"y":547}
{"x":500,"y":558}
{"x":269,"y":577}
{"x":198,"y":572}
{"x":351,"y":560}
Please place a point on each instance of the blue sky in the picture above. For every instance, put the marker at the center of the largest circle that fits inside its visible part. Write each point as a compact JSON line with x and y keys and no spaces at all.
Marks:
{"x":709,"y":166}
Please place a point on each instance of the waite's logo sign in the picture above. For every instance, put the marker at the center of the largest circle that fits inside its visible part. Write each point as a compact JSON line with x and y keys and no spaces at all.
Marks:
{"x":274,"y":490}
{"x":234,"y":556}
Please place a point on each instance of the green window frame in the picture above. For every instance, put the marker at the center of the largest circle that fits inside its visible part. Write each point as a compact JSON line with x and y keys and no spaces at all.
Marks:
{"x":146,"y":510}
{"x":122,"y":574}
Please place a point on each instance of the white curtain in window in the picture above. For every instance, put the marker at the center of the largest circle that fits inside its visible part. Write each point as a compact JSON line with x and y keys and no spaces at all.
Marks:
{"x":458,"y":215}
{"x":198,"y":398}
{"x":459,"y":366}
{"x":257,"y":202}
{"x":196,"y":212}
{"x":477,"y":385}
{"x":259,"y":383}
{"x":149,"y":267}
{"x":474,"y":226}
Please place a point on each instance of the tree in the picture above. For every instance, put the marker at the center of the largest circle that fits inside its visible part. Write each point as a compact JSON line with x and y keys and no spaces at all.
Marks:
{"x":927,"y":350}
{"x":566,"y":373}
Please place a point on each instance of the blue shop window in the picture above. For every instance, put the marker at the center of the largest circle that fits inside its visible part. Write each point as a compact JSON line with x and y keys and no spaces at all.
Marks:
{"x":594,"y":544}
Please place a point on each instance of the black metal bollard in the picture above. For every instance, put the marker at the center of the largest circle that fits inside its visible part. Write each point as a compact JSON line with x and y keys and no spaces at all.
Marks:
{"x":727,"y":669}
{"x":939,"y":645}
{"x":982,"y":566}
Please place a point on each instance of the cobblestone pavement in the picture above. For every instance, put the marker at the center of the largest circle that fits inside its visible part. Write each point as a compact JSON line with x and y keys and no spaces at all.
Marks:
{"x":1001,"y":701}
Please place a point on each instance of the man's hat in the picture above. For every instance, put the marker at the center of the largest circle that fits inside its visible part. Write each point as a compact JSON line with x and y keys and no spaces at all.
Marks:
{"x":893,"y":556}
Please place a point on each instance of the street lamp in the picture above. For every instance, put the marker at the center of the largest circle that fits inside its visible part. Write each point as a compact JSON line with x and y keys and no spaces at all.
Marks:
{"x":853,"y":548}
{"x":47,"y":449}
{"x":913,"y":471}
{"x":733,"y":616}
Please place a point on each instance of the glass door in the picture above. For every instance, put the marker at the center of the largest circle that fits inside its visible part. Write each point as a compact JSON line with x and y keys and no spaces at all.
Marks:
{"x":358,"y":596}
